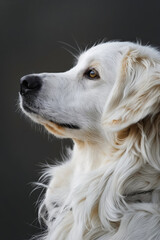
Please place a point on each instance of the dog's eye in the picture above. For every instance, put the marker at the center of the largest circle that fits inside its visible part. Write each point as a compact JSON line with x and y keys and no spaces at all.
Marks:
{"x":91,"y":74}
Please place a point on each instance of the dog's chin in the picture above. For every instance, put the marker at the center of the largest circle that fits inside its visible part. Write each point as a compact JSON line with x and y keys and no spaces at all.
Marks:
{"x":53,"y":126}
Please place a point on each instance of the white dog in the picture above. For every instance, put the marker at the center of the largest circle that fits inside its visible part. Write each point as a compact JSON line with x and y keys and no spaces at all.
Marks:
{"x":109,"y":104}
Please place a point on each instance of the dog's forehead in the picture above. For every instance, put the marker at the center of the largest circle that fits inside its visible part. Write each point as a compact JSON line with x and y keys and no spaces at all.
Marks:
{"x":111,"y":50}
{"x":94,"y":52}
{"x":101,"y":52}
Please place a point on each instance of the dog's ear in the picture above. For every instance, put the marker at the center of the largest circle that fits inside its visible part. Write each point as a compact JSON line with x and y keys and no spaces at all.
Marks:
{"x":136,"y":92}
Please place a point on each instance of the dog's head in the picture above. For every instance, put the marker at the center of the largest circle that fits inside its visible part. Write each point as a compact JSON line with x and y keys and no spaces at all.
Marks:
{"x":112,"y":86}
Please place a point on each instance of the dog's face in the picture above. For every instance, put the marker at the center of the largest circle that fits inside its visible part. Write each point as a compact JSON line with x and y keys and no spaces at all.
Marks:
{"x":106,"y":89}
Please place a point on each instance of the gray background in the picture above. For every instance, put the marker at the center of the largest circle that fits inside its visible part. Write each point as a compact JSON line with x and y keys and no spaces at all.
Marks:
{"x":30,"y":32}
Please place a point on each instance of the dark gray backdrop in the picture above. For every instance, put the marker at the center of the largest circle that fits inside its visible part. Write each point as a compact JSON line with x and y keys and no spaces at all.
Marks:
{"x":30,"y":31}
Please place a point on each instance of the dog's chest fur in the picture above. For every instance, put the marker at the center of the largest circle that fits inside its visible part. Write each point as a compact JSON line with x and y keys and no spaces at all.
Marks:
{"x":89,"y":201}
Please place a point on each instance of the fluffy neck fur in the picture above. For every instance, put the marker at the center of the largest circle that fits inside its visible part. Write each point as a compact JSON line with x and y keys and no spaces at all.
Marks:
{"x":88,"y":199}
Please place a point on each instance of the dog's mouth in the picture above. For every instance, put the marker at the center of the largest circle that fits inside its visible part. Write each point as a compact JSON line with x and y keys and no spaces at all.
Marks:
{"x":29,"y":109}
{"x":36,"y":113}
{"x":66,"y":125}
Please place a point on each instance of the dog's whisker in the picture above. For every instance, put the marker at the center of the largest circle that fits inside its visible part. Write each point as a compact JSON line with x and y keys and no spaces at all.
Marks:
{"x":69,"y":51}
{"x":69,"y":45}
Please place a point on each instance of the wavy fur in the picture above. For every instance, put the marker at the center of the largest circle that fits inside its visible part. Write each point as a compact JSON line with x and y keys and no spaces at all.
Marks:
{"x":109,"y":188}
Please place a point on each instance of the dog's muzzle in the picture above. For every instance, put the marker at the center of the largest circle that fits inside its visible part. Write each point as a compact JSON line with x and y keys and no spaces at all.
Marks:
{"x":30,"y":84}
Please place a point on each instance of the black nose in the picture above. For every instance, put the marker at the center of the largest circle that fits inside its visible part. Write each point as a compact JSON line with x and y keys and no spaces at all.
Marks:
{"x":30,"y":84}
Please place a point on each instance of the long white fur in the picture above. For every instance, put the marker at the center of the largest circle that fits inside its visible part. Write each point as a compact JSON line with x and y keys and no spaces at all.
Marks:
{"x":116,"y":151}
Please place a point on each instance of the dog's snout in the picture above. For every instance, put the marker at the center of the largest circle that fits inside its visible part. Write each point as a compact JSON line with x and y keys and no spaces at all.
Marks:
{"x":30,"y":84}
